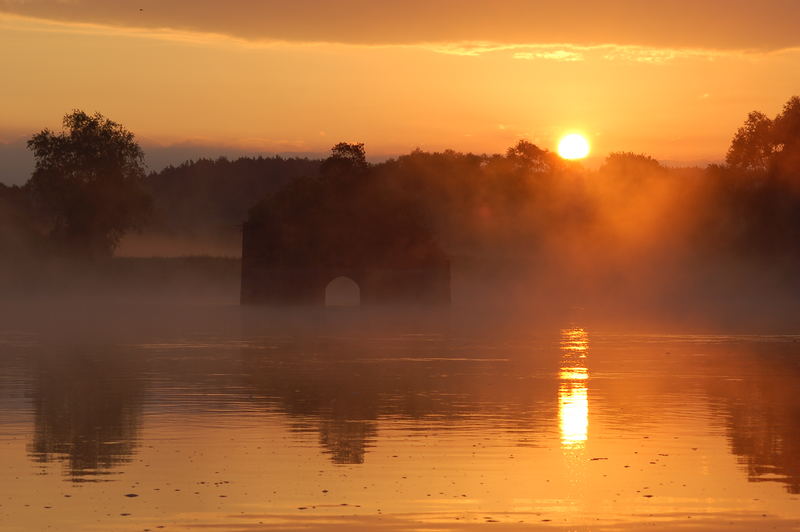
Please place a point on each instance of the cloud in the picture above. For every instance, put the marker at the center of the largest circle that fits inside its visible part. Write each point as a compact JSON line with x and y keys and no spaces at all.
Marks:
{"x":231,"y":29}
{"x":555,"y":55}
{"x":572,"y":53}
{"x":766,"y":25}
{"x":561,"y":52}
{"x":556,"y":52}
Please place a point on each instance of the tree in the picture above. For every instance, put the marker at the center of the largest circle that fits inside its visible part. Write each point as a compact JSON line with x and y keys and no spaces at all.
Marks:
{"x":768,"y":146}
{"x":347,"y":163}
{"x":88,"y":184}
{"x":530,"y":157}
{"x":354,"y":154}
{"x":786,"y":134}
{"x":628,"y":167}
{"x":752,"y":147}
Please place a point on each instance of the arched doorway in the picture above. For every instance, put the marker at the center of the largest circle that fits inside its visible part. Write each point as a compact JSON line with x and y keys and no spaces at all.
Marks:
{"x":342,"y":292}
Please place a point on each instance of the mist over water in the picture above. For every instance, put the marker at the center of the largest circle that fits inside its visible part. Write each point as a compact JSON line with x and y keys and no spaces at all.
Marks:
{"x":613,"y":348}
{"x":634,"y":244}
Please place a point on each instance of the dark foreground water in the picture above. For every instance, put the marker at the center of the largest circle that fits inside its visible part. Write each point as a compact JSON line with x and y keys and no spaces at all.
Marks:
{"x":336,"y":422}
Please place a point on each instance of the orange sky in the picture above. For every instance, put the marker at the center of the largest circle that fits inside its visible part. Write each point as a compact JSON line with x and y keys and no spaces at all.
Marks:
{"x":673,"y":80}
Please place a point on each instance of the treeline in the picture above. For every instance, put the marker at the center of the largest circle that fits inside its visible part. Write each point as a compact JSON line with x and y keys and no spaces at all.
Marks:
{"x":206,"y":197}
{"x":90,"y":191}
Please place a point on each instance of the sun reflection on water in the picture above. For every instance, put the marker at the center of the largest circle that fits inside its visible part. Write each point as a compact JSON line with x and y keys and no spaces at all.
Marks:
{"x":573,"y":393}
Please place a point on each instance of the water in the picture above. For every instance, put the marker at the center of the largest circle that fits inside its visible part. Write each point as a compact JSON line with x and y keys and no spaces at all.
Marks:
{"x":338,"y":423}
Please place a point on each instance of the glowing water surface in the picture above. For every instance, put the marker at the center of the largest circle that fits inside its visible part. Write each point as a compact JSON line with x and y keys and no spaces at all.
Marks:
{"x":405,"y":428}
{"x":573,"y":392}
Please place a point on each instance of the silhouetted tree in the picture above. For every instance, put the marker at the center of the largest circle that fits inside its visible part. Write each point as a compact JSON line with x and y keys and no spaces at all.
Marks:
{"x":630,"y":165}
{"x":88,"y":183}
{"x":627,"y":172}
{"x":768,"y":146}
{"x":530,"y":157}
{"x":752,"y":205}
{"x":353,"y":154}
{"x":786,"y":136}
{"x":342,"y":216}
{"x":346,"y":164}
{"x":752,"y":147}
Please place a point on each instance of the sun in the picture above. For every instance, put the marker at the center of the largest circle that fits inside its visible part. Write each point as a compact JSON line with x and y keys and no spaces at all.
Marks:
{"x":573,"y":146}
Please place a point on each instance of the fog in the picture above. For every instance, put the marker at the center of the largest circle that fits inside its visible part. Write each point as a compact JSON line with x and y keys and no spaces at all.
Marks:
{"x":529,"y":236}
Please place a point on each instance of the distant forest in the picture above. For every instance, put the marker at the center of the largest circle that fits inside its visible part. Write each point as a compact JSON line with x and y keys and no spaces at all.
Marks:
{"x":90,"y":193}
